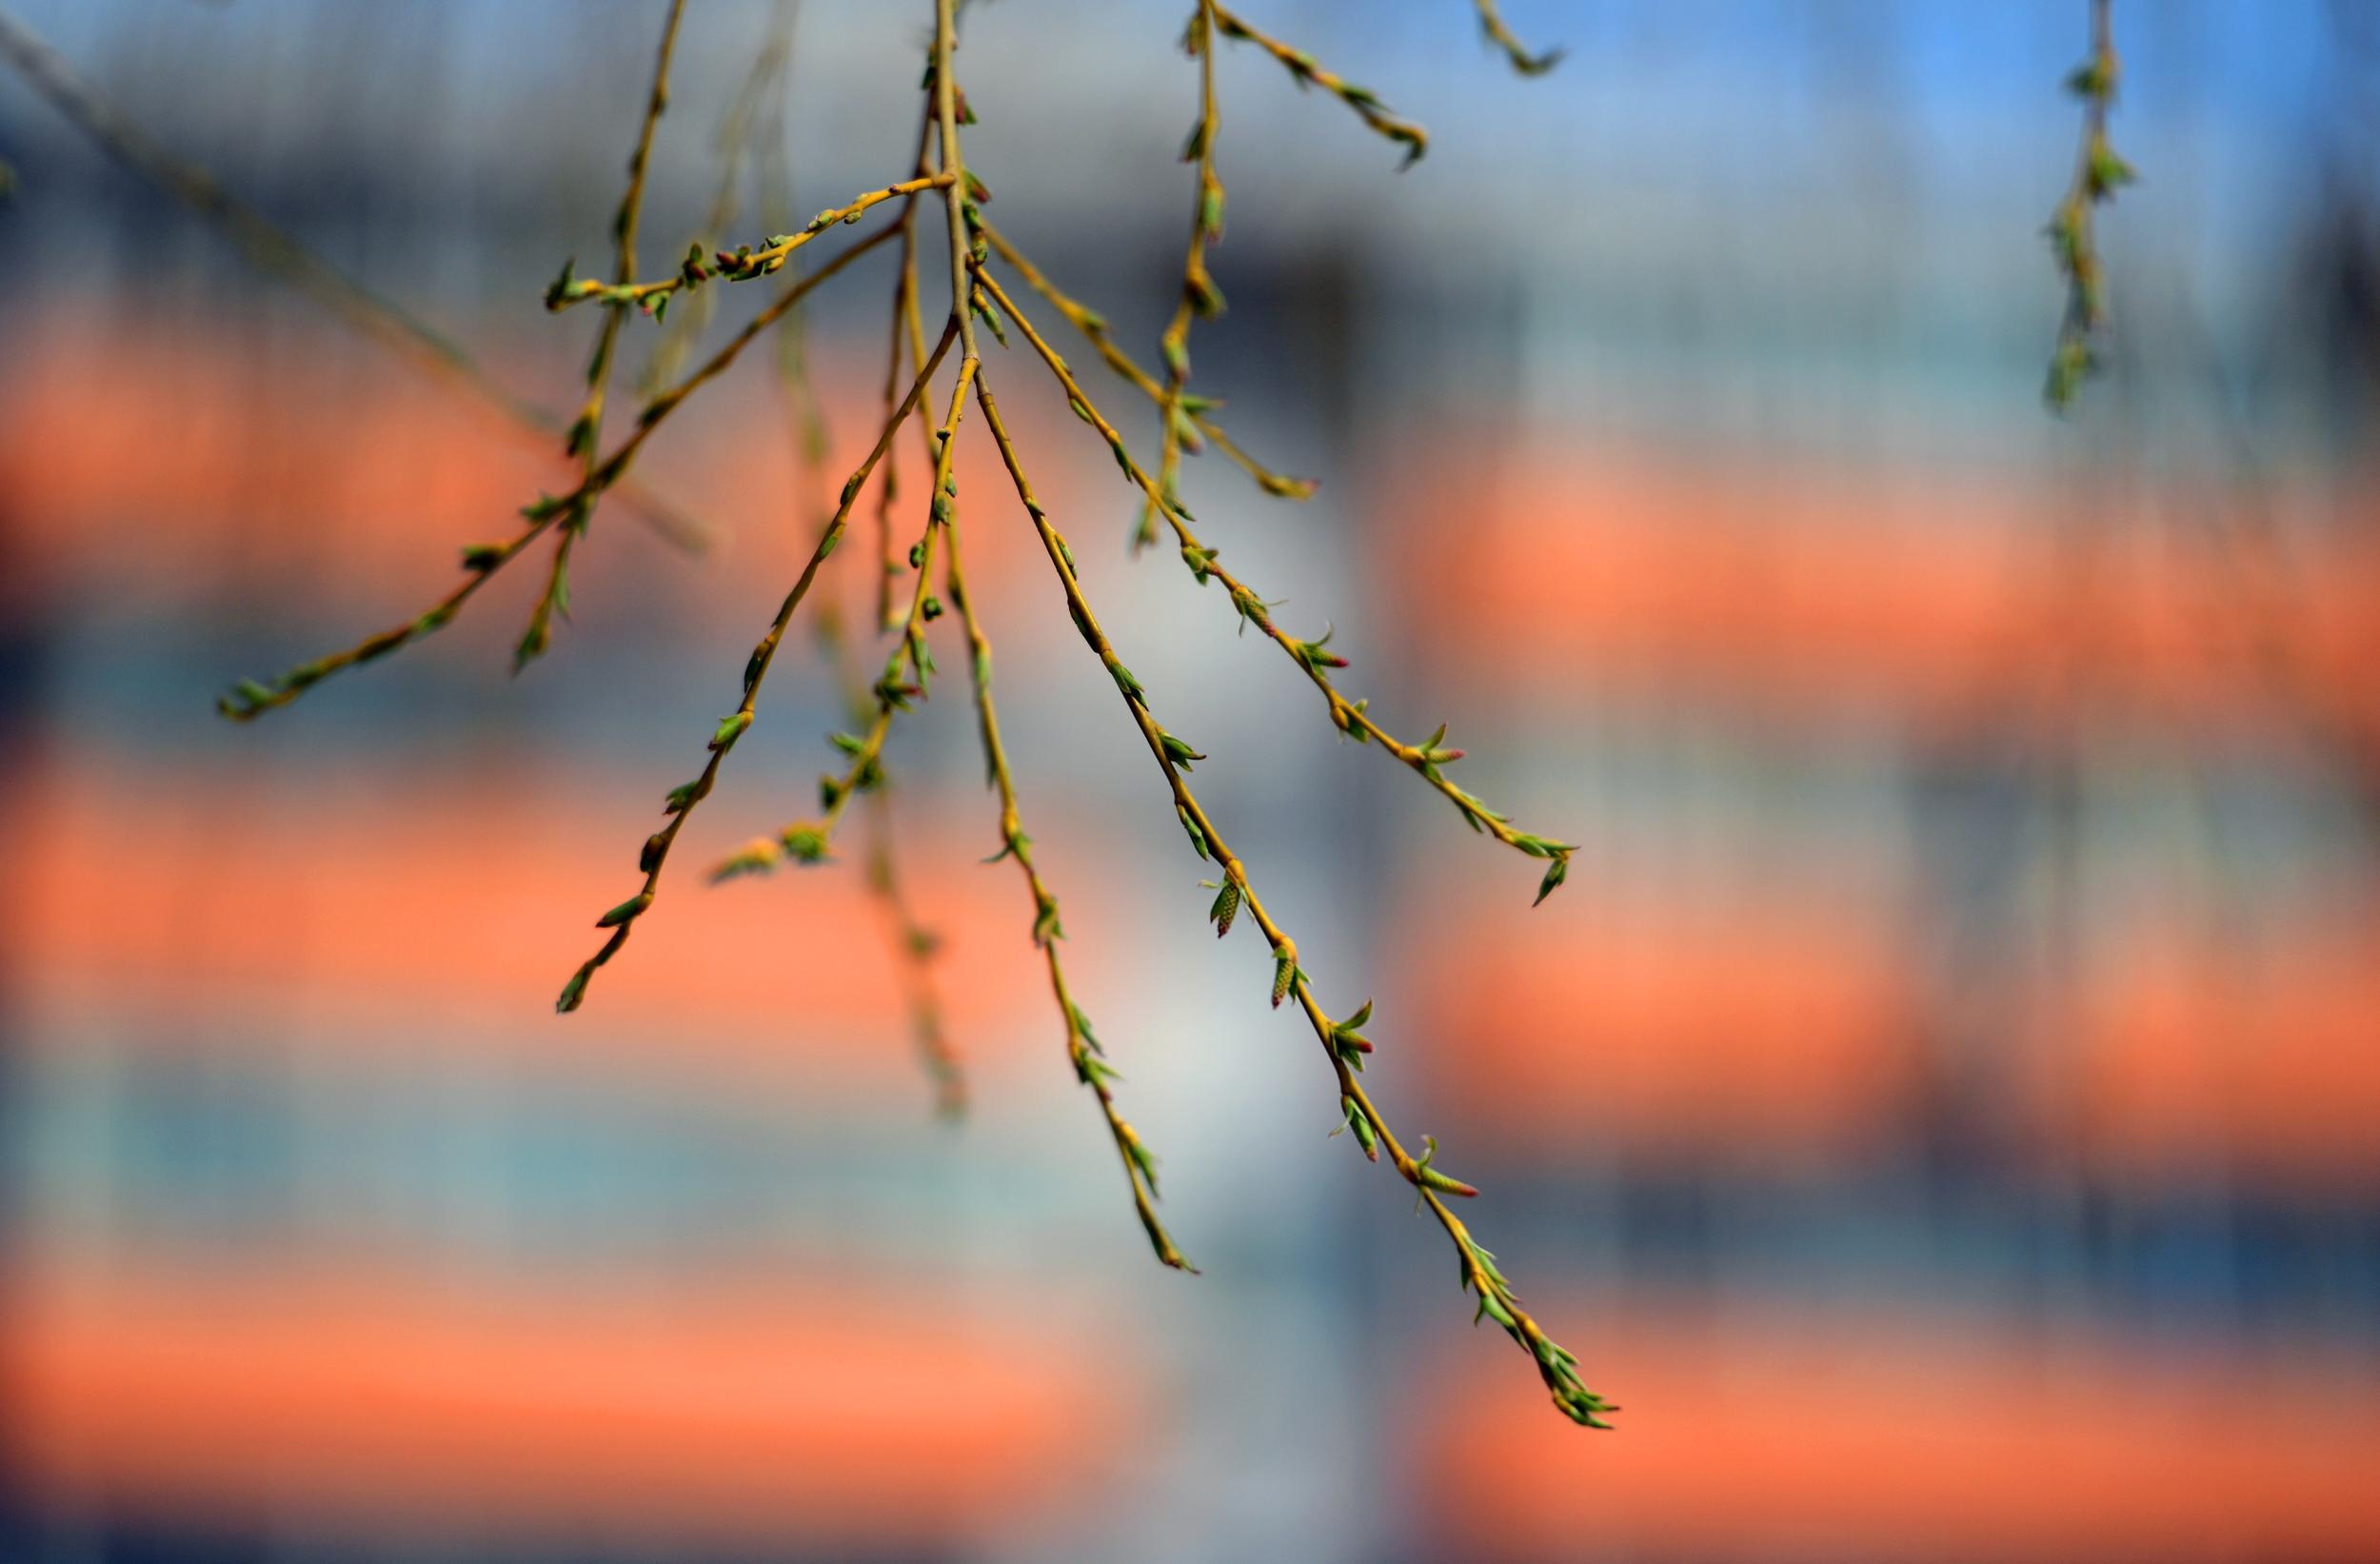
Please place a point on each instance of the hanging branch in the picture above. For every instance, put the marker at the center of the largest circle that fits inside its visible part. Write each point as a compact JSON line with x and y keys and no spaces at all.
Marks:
{"x":581,"y":442}
{"x":749,"y":118}
{"x":1306,"y":72}
{"x":1186,"y":424}
{"x":1342,"y":1040}
{"x":1492,"y":27}
{"x":1203,"y":430}
{"x":1315,"y":658}
{"x":905,"y":319}
{"x":745,"y":263}
{"x":1084,"y":1051}
{"x":251,"y":698}
{"x":914,"y":945}
{"x":908,"y":669}
{"x":2098,"y":174}
{"x":682,"y":800}
{"x":1200,"y":298}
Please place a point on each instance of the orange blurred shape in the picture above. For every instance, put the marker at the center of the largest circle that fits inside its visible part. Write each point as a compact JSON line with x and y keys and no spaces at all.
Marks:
{"x":1779,"y":1436}
{"x":1943,"y":596}
{"x":749,"y":1410}
{"x":1790,"y":1031}
{"x":1776,"y":1033}
{"x":173,"y":457}
{"x":362,"y":897}
{"x":2264,"y":1059}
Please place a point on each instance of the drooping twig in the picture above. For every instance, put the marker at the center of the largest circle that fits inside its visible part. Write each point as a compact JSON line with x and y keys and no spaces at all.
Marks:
{"x":753,"y":119}
{"x":1343,"y":1042}
{"x":1196,"y":409}
{"x":1353,"y":717}
{"x":742,"y":264}
{"x":906,"y":327}
{"x":1200,"y":296}
{"x":2098,"y":174}
{"x":1084,"y":1051}
{"x":682,"y":800}
{"x":251,"y":698}
{"x":1492,"y":27}
{"x":974,"y":295}
{"x":907,"y":677}
{"x":914,"y":945}
{"x":587,"y":429}
{"x":910,"y":664}
{"x":1305,"y":69}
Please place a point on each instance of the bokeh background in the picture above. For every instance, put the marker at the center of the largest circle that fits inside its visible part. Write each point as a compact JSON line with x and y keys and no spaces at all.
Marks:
{"x":1940,"y":1107}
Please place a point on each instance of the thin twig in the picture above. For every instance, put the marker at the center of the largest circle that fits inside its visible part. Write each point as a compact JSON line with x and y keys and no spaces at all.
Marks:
{"x":2098,"y":174}
{"x":745,"y":263}
{"x":1427,"y":760}
{"x":1343,"y":1042}
{"x":905,"y":320}
{"x":908,"y":669}
{"x":1306,"y":72}
{"x":750,"y":117}
{"x":1084,"y":1051}
{"x":682,"y":800}
{"x":1199,"y":297}
{"x":581,"y":442}
{"x":251,"y":698}
{"x":914,"y":945}
{"x":1492,"y":27}
{"x":1094,"y":327}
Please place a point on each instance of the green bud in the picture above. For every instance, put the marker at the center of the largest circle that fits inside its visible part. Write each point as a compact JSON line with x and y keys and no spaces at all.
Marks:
{"x":1226,"y":906}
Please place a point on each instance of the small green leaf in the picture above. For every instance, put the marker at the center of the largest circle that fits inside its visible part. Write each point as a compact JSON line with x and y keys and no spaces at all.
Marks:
{"x":1555,"y":873}
{"x":625,"y":910}
{"x":1177,"y":749}
{"x":1197,"y":837}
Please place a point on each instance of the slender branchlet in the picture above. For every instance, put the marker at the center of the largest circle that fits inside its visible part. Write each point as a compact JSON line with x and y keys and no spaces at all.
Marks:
{"x":582,"y":440}
{"x":740,"y":265}
{"x":1428,"y":759}
{"x":1202,"y":429}
{"x":906,"y":316}
{"x":1200,"y":296}
{"x":1492,"y":27}
{"x":682,"y":800}
{"x":2098,"y":174}
{"x":1186,"y":425}
{"x":276,"y":254}
{"x":909,"y":667}
{"x":749,"y":118}
{"x":914,"y":945}
{"x":251,"y":698}
{"x":1083,"y":1045}
{"x":1307,"y":71}
{"x":907,"y":677}
{"x":1343,"y":1042}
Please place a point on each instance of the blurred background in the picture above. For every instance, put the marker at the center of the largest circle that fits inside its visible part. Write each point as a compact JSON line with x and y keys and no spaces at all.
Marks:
{"x":1939,"y":1107}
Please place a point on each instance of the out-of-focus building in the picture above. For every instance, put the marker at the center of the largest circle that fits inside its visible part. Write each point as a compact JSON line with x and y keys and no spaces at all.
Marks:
{"x":1938,"y":1107}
